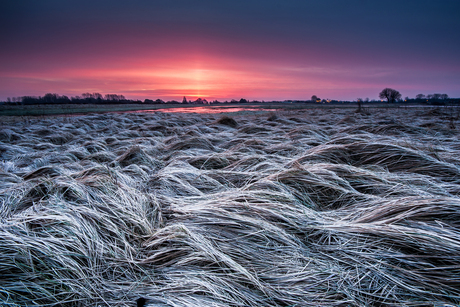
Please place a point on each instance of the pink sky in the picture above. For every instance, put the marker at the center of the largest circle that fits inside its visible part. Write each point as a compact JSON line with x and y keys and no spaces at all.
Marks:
{"x":172,"y":74}
{"x":216,"y":53}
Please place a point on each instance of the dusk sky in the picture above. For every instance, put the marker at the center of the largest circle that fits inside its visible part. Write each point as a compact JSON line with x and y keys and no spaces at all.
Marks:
{"x":253,"y":49}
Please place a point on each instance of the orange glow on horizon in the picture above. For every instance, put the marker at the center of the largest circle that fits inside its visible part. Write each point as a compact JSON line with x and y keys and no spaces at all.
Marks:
{"x":183,"y":74}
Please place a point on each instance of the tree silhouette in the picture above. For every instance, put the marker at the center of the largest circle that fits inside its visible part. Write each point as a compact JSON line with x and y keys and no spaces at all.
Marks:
{"x":50,"y":98}
{"x":436,"y":96}
{"x":114,"y":97}
{"x":390,"y":94}
{"x":360,"y":105}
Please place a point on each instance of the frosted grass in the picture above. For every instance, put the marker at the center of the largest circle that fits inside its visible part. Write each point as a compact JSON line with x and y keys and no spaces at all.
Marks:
{"x":307,"y":208}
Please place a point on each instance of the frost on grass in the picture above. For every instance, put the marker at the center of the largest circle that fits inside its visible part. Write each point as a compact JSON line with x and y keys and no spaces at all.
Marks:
{"x":317,"y":208}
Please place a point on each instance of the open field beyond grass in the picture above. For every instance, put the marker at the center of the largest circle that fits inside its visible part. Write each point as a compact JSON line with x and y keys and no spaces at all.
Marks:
{"x":69,"y":109}
{"x":320,"y":207}
{"x":80,"y":109}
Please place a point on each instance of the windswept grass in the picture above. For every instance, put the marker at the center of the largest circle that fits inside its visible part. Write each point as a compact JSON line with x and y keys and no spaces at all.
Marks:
{"x":307,"y":208}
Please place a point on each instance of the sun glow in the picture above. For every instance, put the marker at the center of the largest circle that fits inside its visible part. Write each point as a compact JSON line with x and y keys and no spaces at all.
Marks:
{"x":181,"y":74}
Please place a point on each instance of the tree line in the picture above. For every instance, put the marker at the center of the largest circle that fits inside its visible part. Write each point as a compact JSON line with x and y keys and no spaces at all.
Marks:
{"x":392,"y":95}
{"x":85,"y":98}
{"x":97,"y":98}
{"x":388,"y":94}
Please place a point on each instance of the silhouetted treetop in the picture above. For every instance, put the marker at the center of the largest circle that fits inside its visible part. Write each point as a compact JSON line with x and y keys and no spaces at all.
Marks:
{"x":390,"y":94}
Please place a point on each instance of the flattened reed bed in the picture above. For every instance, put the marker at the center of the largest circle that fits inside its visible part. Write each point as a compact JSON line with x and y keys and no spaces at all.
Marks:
{"x":310,"y":209}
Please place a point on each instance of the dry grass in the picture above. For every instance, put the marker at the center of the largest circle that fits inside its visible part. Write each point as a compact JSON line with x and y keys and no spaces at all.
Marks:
{"x":307,"y":208}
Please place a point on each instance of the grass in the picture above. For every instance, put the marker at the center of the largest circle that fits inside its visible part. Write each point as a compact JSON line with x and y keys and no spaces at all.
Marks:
{"x":293,"y":208}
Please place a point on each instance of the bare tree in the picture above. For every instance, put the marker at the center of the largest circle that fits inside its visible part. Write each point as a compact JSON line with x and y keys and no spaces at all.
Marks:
{"x":436,"y":96}
{"x":50,"y":98}
{"x":114,"y":97}
{"x":87,"y":95}
{"x":420,"y":96}
{"x":390,"y":94}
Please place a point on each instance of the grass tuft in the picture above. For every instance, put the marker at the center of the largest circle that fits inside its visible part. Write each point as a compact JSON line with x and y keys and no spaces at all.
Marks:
{"x":227,"y":121}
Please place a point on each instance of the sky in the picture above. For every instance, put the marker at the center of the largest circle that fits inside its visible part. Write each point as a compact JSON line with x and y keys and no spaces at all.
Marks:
{"x":212,"y":49}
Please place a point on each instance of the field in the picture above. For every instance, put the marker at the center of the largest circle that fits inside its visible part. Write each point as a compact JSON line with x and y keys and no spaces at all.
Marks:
{"x":317,"y":207}
{"x":80,"y":109}
{"x":67,"y":109}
